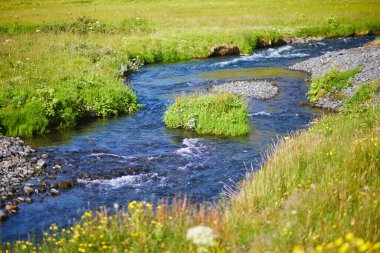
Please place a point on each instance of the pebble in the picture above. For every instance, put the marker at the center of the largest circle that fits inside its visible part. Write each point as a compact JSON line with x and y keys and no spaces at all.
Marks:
{"x":29,"y":190}
{"x":54,"y":192}
{"x":3,"y":216}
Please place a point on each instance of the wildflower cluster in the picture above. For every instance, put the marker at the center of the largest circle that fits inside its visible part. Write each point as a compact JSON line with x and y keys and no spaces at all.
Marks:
{"x":347,"y":243}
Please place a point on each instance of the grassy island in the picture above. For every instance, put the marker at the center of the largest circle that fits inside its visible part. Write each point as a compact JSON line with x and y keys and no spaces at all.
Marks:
{"x":216,"y":113}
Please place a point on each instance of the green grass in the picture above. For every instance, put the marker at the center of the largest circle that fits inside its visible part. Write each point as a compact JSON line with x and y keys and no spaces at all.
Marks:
{"x":219,"y":114}
{"x":332,"y":82}
{"x":362,"y":95}
{"x":48,"y":44}
{"x":318,"y":191}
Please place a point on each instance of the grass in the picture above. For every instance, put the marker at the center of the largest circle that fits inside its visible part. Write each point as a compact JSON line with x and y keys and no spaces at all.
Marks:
{"x":53,"y":44}
{"x":219,"y":114}
{"x":318,"y":191}
{"x":332,"y":82}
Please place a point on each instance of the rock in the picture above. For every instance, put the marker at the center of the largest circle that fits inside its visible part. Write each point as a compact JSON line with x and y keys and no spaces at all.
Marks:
{"x":54,"y":192}
{"x":11,"y":208}
{"x":20,"y":199}
{"x":28,"y":190}
{"x":52,"y":177}
{"x":262,"y":43}
{"x":224,"y":51}
{"x":44,"y":156}
{"x":3,"y":216}
{"x":64,"y":185}
{"x":302,"y":40}
{"x":41,"y":163}
{"x":56,"y":167}
{"x":29,"y":200}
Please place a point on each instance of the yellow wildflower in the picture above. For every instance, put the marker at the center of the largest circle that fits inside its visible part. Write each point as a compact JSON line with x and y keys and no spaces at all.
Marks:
{"x":349,"y":237}
{"x":344,"y":248}
{"x":298,"y":249}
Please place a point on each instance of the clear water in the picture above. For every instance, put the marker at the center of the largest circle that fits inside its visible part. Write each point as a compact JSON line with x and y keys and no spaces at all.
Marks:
{"x":171,"y":162}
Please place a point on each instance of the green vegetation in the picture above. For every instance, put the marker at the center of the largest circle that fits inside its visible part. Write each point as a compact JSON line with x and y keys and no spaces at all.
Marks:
{"x":220,"y":114}
{"x":33,"y":109}
{"x":332,"y":82}
{"x":362,"y":95}
{"x":50,"y":44}
{"x":319,"y":191}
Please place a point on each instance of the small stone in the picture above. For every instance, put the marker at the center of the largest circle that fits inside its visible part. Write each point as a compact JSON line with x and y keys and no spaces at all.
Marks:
{"x":54,"y":192}
{"x":28,"y":190}
{"x":52,"y":177}
{"x":3,"y":216}
{"x":20,"y":199}
{"x":41,"y":163}
{"x":11,"y":208}
{"x":56,"y":167}
{"x":44,"y":156}
{"x":29,"y":200}
{"x":64,"y":185}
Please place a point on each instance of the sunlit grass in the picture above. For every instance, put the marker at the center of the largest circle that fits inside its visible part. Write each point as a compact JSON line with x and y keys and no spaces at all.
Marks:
{"x":215,"y":113}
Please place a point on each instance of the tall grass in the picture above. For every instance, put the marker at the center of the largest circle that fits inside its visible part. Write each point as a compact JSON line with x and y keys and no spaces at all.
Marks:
{"x":215,"y":113}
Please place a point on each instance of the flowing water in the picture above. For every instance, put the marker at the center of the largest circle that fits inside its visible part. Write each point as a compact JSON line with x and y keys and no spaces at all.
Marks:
{"x":136,"y":158}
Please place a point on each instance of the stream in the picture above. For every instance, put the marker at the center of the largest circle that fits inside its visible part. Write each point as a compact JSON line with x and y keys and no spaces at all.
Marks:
{"x":143,"y":160}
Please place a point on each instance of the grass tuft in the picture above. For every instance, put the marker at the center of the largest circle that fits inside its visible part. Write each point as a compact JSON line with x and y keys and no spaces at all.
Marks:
{"x":220,"y":114}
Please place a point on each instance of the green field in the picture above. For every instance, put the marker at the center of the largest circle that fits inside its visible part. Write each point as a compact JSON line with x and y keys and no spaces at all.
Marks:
{"x":52,"y":48}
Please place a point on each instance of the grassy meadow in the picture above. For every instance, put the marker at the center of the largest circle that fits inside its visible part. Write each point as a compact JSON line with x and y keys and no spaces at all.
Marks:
{"x":214,"y":113}
{"x":53,"y":48}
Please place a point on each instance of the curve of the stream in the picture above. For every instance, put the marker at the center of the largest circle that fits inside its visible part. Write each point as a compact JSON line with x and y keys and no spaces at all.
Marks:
{"x":171,"y":162}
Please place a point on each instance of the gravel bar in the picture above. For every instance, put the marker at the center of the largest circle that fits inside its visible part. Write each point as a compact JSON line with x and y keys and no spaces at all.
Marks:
{"x":258,"y":89}
{"x":367,"y":58}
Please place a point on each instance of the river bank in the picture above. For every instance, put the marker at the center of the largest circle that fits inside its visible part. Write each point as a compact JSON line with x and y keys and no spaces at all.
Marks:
{"x":19,"y":164}
{"x":366,"y":59}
